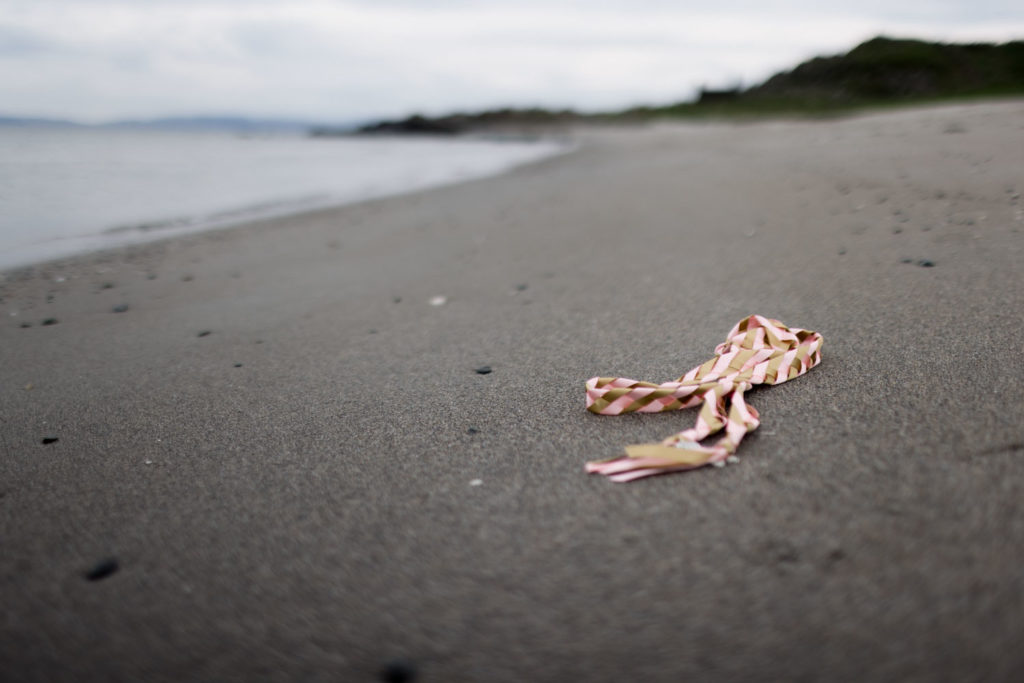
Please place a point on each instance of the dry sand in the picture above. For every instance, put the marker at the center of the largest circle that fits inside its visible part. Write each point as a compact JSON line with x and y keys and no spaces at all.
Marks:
{"x":311,"y":514}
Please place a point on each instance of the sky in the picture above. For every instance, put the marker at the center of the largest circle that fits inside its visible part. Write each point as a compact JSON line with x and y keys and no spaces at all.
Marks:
{"x":353,"y":60}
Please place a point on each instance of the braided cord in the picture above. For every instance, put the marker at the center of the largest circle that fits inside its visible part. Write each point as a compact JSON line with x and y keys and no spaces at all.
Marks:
{"x":757,"y":350}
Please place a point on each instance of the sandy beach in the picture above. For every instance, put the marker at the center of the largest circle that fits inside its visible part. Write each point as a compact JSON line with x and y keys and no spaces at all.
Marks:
{"x":275,"y":458}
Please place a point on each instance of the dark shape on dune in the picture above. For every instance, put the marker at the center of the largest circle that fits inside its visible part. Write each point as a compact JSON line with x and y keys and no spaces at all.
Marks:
{"x":120,"y":308}
{"x":47,"y":440}
{"x":492,"y":120}
{"x":24,"y":325}
{"x":416,"y":124}
{"x":484,"y":370}
{"x":238,"y":365}
{"x":926,"y":263}
{"x":204,"y":333}
{"x":713,"y":96}
{"x":50,"y":321}
{"x":398,"y":671}
{"x":102,"y":569}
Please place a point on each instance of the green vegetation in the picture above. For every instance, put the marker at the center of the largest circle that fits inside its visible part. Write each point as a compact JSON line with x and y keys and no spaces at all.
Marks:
{"x":881,"y":72}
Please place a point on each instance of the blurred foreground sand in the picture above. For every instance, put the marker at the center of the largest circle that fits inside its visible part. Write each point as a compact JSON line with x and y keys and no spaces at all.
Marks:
{"x":323,"y":484}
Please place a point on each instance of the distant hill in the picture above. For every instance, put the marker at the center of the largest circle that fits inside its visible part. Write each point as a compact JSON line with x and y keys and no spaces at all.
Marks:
{"x":886,"y":69}
{"x":26,"y":121}
{"x":232,"y":124}
{"x":877,"y":72}
{"x":458,"y":123}
{"x":237,"y":124}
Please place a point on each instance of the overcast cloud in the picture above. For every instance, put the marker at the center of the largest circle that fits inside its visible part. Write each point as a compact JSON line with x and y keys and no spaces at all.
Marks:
{"x":341,"y":60}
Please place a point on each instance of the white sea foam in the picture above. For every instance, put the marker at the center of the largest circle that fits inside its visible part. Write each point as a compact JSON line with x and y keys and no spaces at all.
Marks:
{"x":65,"y":191}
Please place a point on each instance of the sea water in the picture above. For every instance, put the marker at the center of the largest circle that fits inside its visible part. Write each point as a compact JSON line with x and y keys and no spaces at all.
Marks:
{"x":66,"y":191}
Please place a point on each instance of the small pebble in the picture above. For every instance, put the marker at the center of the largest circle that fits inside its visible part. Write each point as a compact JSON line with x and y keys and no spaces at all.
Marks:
{"x":238,"y":365}
{"x":476,"y":482}
{"x":521,"y":287}
{"x":204,"y":333}
{"x":836,"y":555}
{"x":926,"y":263}
{"x":47,"y":440}
{"x":484,"y":370}
{"x":906,"y":260}
{"x":438,"y":300}
{"x":151,"y":276}
{"x":50,"y":321}
{"x":472,"y":430}
{"x":120,"y":308}
{"x":24,"y":325}
{"x":842,"y":251}
{"x":397,"y":299}
{"x":107,"y":285}
{"x":103,"y":569}
{"x":398,"y":671}
{"x":187,"y":278}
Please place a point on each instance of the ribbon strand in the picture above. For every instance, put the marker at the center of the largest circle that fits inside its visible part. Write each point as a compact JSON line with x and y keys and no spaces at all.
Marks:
{"x":757,"y":350}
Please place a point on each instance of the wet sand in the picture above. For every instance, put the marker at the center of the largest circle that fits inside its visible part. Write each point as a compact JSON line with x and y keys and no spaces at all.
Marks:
{"x":275,"y":459}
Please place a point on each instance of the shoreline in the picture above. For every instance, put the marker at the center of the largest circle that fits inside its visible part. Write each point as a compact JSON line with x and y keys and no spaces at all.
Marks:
{"x":272,"y":447}
{"x":158,"y":228}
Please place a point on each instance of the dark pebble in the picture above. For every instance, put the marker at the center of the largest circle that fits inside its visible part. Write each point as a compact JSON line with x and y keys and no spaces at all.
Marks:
{"x":107,"y":285}
{"x":836,"y":555}
{"x":522,"y":287}
{"x":238,"y":365}
{"x":484,"y":370}
{"x":926,"y":263}
{"x":187,"y":278}
{"x":472,"y":430}
{"x":906,"y":260}
{"x":397,"y":299}
{"x":120,"y":308}
{"x":204,"y":333}
{"x":50,"y":321}
{"x":47,"y":440}
{"x":842,"y":251}
{"x":373,"y":331}
{"x":151,"y":276}
{"x":103,"y":569}
{"x":24,"y":325}
{"x":897,"y":231}
{"x":398,"y":671}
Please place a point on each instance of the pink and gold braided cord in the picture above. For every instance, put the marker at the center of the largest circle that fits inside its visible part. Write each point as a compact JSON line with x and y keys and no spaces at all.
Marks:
{"x":757,"y":350}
